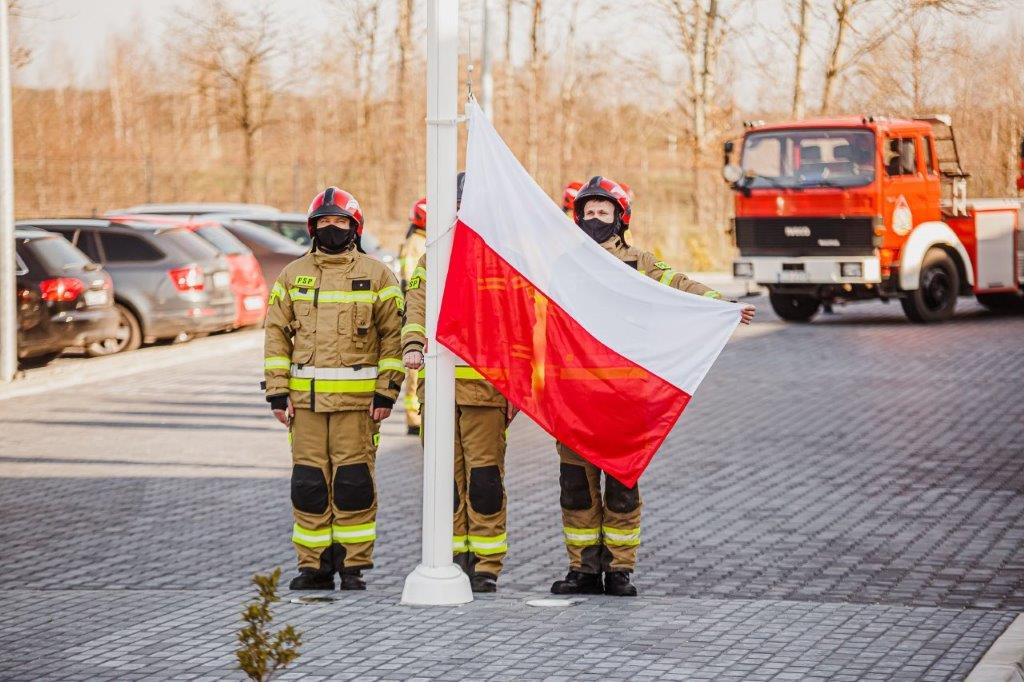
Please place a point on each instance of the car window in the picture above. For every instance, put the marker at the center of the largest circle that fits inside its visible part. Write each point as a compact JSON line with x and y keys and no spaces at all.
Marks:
{"x":57,"y":254}
{"x":901,"y":157}
{"x":221,"y":239}
{"x":193,"y":246}
{"x":86,"y":243}
{"x":261,"y":236}
{"x":296,"y":231}
{"x":122,"y":248}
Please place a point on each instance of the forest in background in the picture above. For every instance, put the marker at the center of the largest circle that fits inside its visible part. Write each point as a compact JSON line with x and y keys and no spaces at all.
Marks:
{"x":234,"y":103}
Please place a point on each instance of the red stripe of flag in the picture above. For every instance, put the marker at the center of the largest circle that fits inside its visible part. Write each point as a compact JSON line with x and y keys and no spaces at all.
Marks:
{"x":605,"y":407}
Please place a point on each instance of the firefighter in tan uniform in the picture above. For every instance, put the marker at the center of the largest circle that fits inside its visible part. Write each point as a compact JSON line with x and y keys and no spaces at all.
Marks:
{"x":603,"y":535}
{"x":414,"y":246}
{"x":333,"y":372}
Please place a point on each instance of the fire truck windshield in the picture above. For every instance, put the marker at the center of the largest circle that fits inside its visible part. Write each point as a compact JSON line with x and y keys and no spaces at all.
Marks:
{"x":795,"y":159}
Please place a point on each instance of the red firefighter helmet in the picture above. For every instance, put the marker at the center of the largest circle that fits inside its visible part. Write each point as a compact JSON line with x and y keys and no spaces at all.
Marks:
{"x":629,"y":191}
{"x":418,"y":214}
{"x":335,"y":201}
{"x":603,"y":188}
{"x":569,"y":195}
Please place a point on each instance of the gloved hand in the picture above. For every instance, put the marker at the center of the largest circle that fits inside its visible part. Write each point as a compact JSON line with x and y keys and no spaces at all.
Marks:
{"x":282,"y":408}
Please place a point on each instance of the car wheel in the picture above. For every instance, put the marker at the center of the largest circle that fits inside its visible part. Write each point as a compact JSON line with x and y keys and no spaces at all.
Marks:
{"x":794,"y":307}
{"x":128,"y":336}
{"x":934,"y":300}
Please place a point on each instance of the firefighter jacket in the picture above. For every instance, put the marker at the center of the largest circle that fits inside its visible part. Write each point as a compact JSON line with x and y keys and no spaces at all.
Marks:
{"x":648,"y":264}
{"x":333,"y":333}
{"x":413,"y":248}
{"x":471,"y":389}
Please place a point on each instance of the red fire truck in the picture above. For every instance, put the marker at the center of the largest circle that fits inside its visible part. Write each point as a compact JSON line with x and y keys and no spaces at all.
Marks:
{"x":868,"y":207}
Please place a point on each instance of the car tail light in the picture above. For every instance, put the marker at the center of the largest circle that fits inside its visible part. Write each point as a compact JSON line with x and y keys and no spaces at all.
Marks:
{"x":61,"y":289}
{"x":188,"y":278}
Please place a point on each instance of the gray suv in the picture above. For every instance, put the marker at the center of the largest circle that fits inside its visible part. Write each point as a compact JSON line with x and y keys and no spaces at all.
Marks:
{"x":167,"y":281}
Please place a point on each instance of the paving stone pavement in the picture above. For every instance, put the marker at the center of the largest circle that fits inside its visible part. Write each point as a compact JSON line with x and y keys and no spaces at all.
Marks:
{"x":841,"y":500}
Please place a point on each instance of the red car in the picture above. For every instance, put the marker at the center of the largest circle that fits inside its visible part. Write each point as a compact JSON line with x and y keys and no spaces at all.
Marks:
{"x":247,"y":281}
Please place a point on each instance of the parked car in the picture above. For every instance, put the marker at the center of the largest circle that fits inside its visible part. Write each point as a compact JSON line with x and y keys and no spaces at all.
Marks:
{"x":293,"y":226}
{"x":64,"y":299}
{"x":272,"y":250}
{"x":167,"y":281}
{"x":247,"y":280}
{"x":192,"y":209}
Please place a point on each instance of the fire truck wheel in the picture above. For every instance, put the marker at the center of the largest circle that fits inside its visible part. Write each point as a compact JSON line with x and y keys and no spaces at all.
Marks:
{"x":934,"y":300}
{"x":794,"y":307}
{"x":1003,"y":302}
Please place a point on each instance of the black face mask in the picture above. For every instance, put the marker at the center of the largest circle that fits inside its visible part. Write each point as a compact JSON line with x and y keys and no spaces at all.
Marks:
{"x":598,"y":230}
{"x":334,"y":239}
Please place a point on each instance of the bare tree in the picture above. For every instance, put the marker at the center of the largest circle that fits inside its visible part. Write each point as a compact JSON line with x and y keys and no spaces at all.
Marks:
{"x":230,"y":50}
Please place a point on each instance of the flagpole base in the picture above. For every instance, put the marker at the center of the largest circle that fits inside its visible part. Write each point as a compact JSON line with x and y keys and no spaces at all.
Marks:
{"x":437,"y":586}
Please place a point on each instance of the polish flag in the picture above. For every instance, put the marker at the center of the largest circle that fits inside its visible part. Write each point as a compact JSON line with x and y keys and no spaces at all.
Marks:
{"x":601,"y":356}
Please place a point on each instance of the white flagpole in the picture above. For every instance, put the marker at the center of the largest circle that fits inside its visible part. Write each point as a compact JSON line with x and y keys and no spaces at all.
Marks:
{"x":438,"y":581}
{"x":8,"y":313}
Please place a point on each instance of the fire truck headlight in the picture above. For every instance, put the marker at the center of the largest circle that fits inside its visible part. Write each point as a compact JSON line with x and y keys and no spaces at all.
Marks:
{"x":741,"y":269}
{"x":851,"y":270}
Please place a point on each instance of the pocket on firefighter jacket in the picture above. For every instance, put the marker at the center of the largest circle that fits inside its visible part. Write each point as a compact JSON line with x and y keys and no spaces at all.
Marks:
{"x":362,"y":325}
{"x":304,"y":326}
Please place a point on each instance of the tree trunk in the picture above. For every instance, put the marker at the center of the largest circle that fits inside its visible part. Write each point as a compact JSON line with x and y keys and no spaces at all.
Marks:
{"x":842,"y":9}
{"x":802,"y":36}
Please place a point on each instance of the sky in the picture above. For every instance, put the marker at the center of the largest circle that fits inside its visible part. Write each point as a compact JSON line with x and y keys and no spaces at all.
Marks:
{"x":68,"y":37}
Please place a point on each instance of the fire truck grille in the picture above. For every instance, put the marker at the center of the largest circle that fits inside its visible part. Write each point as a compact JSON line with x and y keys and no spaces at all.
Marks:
{"x":805,"y":236}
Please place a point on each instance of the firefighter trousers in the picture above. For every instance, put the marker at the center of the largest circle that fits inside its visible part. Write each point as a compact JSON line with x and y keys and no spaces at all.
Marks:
{"x":600,"y":535}
{"x":411,"y":402}
{"x":479,"y":541}
{"x":334,"y":495}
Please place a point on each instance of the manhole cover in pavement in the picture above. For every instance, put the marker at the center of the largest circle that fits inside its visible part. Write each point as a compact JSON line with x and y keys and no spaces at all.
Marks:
{"x":556,"y":603}
{"x":313,"y":600}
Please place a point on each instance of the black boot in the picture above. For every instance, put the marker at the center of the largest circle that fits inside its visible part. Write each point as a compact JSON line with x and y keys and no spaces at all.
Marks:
{"x":578,"y":583}
{"x":616,"y":584}
{"x":352,"y":579}
{"x":310,"y":579}
{"x":481,"y":582}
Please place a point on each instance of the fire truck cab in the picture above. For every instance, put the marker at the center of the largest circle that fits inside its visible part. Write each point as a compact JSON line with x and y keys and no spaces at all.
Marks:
{"x":856,"y":208}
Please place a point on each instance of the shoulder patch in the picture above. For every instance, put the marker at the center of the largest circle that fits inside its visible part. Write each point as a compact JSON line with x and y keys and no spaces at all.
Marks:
{"x":662,"y":265}
{"x":414,"y":283}
{"x":305,"y":281}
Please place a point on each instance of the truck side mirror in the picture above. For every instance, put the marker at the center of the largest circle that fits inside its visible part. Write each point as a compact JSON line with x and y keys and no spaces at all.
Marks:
{"x":728,"y":146}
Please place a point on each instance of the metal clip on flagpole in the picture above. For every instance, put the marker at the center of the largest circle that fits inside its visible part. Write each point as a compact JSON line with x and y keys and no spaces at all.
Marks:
{"x":436,"y":581}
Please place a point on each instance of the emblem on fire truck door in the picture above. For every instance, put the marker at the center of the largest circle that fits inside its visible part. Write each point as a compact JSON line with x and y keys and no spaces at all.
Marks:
{"x":902,"y":218}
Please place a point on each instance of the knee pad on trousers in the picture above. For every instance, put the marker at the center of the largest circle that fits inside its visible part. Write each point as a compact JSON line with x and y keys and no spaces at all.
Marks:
{"x":455,"y":497}
{"x":353,"y":487}
{"x":619,"y":498}
{"x":309,"y":489}
{"x":486,"y":495}
{"x":575,"y":487}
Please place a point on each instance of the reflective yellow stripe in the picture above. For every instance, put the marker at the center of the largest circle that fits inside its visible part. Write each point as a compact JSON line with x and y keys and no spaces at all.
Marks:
{"x":311,"y":538}
{"x":347,"y":296}
{"x":277,"y":362}
{"x":395,"y":293}
{"x":276,"y":293}
{"x":413,"y":328}
{"x":412,"y":403}
{"x":467,"y":373}
{"x":667,"y":276}
{"x":712,"y":294}
{"x":376,"y":439}
{"x":621,"y":536}
{"x":420,"y":272}
{"x":459,"y":544}
{"x":334,"y":385}
{"x":582,"y":537}
{"x":364,"y":532}
{"x":484,"y":545}
{"x":392,"y":364}
{"x":422,"y":374}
